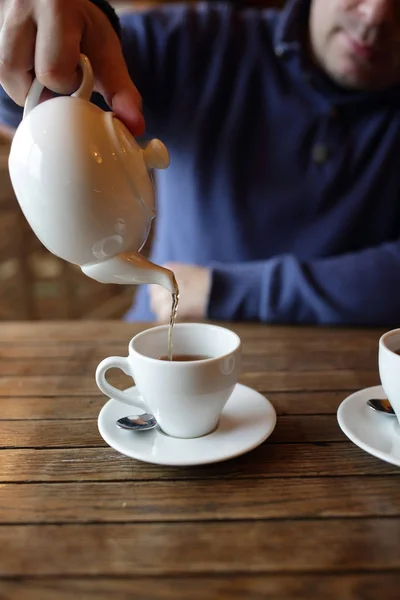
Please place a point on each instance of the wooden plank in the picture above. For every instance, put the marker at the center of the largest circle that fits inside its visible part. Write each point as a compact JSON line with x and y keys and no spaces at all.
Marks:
{"x":306,"y":403}
{"x":339,"y":545}
{"x":84,"y":433}
{"x":43,"y":331}
{"x":52,"y":358}
{"x":58,"y":407}
{"x":354,"y":352}
{"x":365,"y":586}
{"x":47,"y":386}
{"x":54,"y":351}
{"x":79,"y":407}
{"x":50,"y":434}
{"x":263,"y":381}
{"x":308,"y":428}
{"x":199,"y":501}
{"x":253,"y":343}
{"x":86,"y":364}
{"x":266,"y":461}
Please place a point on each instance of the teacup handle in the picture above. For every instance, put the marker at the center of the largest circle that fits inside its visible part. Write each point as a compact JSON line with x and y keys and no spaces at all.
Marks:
{"x":85,"y":90}
{"x":133,"y":398}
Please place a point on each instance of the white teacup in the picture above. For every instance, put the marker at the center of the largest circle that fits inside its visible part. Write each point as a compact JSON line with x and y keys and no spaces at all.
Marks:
{"x":389,"y":367}
{"x":186,"y":397}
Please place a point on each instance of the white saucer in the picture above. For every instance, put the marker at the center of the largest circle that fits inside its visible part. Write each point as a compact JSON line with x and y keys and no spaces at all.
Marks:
{"x":376,"y":433}
{"x":246,"y":421}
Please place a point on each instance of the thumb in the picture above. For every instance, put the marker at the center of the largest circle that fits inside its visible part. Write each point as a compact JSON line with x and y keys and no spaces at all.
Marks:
{"x":113,"y":81}
{"x":120,"y":93}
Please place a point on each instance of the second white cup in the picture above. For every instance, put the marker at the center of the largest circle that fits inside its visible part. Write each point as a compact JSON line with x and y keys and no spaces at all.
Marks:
{"x":389,"y":367}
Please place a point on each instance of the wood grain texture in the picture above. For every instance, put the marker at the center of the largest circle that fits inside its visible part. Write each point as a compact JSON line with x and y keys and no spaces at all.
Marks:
{"x":202,"y":500}
{"x":110,"y":549}
{"x":305,"y":515}
{"x":365,"y":586}
{"x":269,"y":460}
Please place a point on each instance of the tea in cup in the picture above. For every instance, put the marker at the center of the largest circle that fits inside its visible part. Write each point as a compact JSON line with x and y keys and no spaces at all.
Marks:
{"x":188,"y":393}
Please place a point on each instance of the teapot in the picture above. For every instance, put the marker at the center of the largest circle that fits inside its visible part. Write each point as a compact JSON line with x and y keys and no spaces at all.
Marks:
{"x":84,"y":185}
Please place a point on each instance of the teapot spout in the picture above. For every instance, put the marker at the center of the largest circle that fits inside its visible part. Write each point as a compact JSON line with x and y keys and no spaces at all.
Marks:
{"x":131,"y":268}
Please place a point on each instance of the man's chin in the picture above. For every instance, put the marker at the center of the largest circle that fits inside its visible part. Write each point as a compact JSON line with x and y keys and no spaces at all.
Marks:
{"x":354,"y":77}
{"x":353,"y":81}
{"x":351,"y":84}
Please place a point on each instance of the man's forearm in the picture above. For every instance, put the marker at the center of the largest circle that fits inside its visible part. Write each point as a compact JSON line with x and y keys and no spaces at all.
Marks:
{"x":358,"y":288}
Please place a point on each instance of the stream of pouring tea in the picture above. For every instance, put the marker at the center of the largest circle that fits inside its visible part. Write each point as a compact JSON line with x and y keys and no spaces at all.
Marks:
{"x":133,"y":257}
{"x":172,"y":319}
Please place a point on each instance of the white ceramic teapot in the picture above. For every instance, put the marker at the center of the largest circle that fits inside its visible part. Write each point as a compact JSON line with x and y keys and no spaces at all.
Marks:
{"x":84,"y":186}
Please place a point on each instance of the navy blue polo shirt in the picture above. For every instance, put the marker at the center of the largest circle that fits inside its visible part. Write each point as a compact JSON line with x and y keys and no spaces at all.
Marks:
{"x":281,"y":182}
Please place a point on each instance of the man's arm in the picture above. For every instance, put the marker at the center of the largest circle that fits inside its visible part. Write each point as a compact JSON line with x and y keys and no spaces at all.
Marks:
{"x":360,"y":288}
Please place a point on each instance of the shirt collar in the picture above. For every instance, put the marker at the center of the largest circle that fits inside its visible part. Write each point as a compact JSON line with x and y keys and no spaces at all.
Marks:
{"x":292,"y":22}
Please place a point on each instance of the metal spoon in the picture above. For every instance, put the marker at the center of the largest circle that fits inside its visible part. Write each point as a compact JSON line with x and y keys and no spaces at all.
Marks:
{"x":142,"y":422}
{"x":382,"y":406}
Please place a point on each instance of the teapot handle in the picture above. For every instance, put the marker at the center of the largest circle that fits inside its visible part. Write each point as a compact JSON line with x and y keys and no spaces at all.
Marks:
{"x":85,"y":90}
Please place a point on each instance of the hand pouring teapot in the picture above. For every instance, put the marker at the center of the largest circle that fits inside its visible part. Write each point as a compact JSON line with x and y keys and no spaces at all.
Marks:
{"x":84,"y":186}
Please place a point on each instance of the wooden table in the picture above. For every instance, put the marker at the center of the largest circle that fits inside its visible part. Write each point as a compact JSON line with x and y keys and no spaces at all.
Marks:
{"x":305,"y":515}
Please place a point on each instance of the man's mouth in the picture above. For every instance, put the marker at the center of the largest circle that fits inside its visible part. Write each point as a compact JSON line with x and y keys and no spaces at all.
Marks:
{"x":361,"y":49}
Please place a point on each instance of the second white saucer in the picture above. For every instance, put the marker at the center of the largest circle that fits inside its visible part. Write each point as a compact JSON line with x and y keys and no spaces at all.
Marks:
{"x":376,"y":433}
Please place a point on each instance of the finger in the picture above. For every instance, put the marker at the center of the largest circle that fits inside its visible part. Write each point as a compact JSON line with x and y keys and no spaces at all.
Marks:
{"x":127,"y":108}
{"x":17,"y":49}
{"x":111,"y":74}
{"x":57,"y":52}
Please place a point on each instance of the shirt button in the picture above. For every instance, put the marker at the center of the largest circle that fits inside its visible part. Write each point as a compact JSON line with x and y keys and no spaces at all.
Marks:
{"x":320,"y":154}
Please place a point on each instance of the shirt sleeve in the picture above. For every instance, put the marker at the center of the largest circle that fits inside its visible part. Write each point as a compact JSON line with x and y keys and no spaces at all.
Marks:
{"x":358,"y":288}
